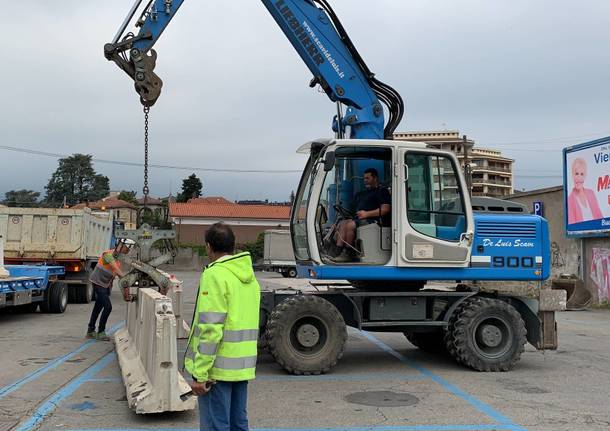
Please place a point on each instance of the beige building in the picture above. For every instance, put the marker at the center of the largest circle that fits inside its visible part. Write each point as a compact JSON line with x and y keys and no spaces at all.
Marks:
{"x":492,"y":174}
{"x":123,"y":212}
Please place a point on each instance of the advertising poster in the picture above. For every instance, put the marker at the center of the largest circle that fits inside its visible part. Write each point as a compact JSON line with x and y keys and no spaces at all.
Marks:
{"x":587,"y":188}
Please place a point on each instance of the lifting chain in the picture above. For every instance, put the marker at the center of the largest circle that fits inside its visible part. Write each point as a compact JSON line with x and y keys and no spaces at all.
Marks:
{"x":146,"y":190}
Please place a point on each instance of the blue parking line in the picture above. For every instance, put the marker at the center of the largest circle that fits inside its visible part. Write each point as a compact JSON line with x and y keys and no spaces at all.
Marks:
{"x":475,"y":427}
{"x":477,"y":404}
{"x":8,"y":389}
{"x":51,"y":404}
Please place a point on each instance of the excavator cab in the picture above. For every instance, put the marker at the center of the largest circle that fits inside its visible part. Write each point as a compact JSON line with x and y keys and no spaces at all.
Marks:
{"x":430,"y":224}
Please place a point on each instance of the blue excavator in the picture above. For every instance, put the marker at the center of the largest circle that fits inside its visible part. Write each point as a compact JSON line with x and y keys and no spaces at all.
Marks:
{"x":467,"y":283}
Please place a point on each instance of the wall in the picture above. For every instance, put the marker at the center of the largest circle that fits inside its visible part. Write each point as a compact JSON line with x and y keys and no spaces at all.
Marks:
{"x":194,"y":234}
{"x":565,"y":252}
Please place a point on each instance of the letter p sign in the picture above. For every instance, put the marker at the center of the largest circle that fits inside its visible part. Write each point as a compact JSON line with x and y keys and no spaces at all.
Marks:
{"x":538,"y":209}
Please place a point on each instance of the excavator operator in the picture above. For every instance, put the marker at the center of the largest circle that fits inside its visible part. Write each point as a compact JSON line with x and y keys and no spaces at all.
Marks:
{"x":374,"y":206}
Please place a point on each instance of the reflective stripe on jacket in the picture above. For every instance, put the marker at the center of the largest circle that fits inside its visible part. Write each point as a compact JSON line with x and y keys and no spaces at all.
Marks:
{"x":224,"y":335}
{"x":103,"y":274}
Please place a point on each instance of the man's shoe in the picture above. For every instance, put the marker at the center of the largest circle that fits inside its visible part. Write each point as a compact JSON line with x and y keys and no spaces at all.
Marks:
{"x":344,"y":257}
{"x":91,"y":335}
{"x":101,"y":336}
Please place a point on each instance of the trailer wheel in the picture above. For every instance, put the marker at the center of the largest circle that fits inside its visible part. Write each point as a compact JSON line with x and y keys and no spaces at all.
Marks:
{"x":55,"y":298}
{"x":486,"y":335}
{"x":306,"y":334}
{"x":432,"y":342}
{"x":84,"y":293}
{"x":291,"y":273}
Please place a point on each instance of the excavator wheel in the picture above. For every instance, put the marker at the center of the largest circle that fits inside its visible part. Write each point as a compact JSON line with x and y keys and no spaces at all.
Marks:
{"x":306,"y":335}
{"x":486,"y":334}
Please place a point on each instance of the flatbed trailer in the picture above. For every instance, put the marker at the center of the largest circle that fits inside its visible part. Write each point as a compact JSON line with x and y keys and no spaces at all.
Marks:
{"x":483,"y":326}
{"x":31,"y":286}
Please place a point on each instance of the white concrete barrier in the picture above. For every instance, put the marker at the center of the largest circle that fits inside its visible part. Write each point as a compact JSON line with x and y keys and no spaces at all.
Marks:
{"x":148,"y":356}
{"x":175,"y":294}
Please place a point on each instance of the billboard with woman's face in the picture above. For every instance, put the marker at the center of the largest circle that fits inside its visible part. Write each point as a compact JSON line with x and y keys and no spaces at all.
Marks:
{"x":587,"y":188}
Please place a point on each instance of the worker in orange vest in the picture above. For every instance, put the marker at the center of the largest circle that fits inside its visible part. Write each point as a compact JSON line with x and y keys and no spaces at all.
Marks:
{"x":107,"y":268}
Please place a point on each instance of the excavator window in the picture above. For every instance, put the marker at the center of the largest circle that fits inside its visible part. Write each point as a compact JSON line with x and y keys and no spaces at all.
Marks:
{"x":435,"y":206}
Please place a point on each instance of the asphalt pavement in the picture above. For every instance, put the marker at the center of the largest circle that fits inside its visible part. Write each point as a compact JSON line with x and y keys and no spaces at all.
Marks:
{"x":52,"y":378}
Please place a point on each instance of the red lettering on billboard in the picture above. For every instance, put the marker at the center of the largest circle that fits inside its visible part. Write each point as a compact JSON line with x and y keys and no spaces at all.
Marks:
{"x":603,"y":183}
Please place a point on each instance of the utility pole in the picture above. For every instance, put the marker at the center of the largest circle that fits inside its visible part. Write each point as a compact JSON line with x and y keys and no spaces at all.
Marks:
{"x":467,"y":171}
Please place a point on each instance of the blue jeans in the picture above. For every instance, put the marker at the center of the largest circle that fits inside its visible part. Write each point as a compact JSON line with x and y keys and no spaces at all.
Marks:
{"x":224,"y":408}
{"x":102,"y":305}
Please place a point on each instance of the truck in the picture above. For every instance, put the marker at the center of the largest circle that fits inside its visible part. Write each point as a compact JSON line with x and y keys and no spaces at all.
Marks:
{"x":70,"y":238}
{"x":278,"y":255}
{"x":26,"y":287}
{"x":418,"y":259}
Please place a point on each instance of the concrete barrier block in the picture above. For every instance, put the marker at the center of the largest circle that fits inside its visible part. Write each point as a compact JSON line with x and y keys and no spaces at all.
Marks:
{"x":175,"y":293}
{"x":148,"y":357}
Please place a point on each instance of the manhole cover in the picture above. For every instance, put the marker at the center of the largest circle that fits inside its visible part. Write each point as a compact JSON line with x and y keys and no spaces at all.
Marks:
{"x":382,"y":399}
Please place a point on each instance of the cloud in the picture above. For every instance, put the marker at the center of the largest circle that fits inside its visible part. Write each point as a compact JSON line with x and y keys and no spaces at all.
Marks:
{"x":236,"y":93}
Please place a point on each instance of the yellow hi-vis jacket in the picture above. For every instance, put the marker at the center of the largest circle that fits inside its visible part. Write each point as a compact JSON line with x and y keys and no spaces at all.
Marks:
{"x":223,"y":340}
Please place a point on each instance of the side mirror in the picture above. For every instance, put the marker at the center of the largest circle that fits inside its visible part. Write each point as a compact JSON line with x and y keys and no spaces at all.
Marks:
{"x":329,"y":161}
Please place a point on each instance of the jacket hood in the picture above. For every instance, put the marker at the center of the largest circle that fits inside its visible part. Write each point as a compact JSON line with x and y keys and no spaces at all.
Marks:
{"x":239,"y":264}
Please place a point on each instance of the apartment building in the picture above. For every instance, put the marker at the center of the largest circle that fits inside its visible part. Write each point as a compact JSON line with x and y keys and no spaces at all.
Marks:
{"x":492,"y":173}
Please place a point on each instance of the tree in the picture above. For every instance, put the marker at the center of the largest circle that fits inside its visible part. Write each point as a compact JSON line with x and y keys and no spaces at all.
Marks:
{"x":128,"y":196}
{"x":76,"y":181}
{"x":191,"y":188}
{"x":21,"y":198}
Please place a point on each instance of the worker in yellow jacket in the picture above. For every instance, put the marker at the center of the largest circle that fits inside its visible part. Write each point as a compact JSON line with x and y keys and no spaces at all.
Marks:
{"x":222,"y":346}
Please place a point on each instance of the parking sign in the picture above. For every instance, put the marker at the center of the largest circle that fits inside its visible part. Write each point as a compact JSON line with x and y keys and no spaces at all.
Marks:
{"x":539,"y":209}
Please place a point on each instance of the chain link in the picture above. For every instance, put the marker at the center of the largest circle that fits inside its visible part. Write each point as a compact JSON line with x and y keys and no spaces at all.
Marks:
{"x":146,"y":190}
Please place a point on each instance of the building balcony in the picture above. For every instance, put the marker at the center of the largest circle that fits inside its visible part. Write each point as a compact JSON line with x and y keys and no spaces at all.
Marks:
{"x":502,"y":169}
{"x":491,"y":183}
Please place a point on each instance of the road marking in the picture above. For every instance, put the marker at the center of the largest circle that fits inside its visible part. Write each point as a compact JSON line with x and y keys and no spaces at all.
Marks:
{"x":51,"y":404}
{"x":476,"y":427}
{"x":477,"y":404}
{"x":8,"y":389}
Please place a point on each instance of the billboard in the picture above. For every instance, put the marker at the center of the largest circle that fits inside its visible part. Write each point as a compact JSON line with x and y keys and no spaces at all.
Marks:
{"x":586,"y":185}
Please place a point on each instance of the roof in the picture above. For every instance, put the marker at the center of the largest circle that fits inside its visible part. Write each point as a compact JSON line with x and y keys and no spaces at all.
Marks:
{"x":150,"y":201}
{"x":230,"y":211}
{"x":106,"y":203}
{"x":211,"y":200}
{"x":535,"y":192}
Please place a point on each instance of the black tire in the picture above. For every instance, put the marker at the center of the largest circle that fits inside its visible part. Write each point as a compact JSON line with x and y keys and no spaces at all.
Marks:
{"x":84,"y":293}
{"x":79,"y":293}
{"x":306,"y":334}
{"x":291,"y":273}
{"x":55,"y":298}
{"x":486,"y":335}
{"x":73,"y":293}
{"x":432,"y":342}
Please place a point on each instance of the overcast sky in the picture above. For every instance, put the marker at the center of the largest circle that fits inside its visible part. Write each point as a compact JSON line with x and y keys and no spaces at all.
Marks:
{"x":528,"y":77}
